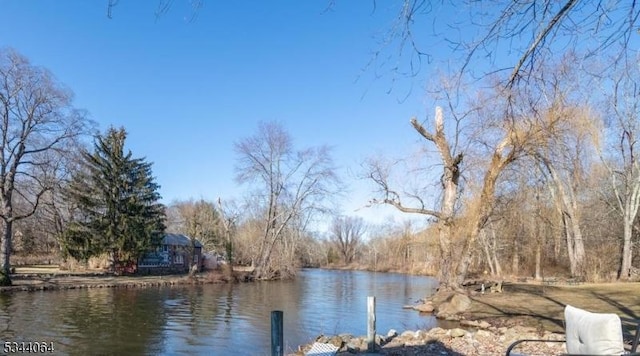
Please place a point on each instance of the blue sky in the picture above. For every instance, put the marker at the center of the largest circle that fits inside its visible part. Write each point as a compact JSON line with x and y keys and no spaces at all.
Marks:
{"x":187,"y":90}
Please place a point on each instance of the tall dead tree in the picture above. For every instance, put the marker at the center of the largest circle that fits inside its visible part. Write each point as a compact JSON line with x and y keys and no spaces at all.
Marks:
{"x":504,"y":138}
{"x":513,"y":37}
{"x":450,"y":181}
{"x":36,"y":116}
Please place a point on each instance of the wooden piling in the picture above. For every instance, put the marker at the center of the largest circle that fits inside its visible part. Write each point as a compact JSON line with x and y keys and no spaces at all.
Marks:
{"x":277,"y":337}
{"x":371,"y":324}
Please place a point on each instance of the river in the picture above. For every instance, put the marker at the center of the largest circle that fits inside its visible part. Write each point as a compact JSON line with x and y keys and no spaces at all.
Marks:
{"x":219,"y":319}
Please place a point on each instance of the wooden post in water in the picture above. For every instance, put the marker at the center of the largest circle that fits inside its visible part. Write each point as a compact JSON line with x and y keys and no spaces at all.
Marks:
{"x":277,"y":338}
{"x":371,"y":324}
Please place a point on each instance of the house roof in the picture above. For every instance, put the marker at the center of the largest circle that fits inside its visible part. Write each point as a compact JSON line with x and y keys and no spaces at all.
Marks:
{"x":178,"y":240}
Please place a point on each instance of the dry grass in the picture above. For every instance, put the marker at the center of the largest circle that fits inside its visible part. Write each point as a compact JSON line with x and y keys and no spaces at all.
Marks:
{"x":53,"y":270}
{"x":214,"y":277}
{"x":223,"y":274}
{"x":227,"y":274}
{"x":543,"y":306}
{"x":94,"y":263}
{"x":416,"y":269}
{"x":43,"y":259}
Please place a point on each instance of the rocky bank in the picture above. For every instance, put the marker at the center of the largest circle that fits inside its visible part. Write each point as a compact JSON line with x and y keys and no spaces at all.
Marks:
{"x":470,"y":339}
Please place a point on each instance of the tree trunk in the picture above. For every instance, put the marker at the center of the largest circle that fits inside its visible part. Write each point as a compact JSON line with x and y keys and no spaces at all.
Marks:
{"x":578,"y":249}
{"x":496,"y":264}
{"x":625,"y":265}
{"x":263,"y":267}
{"x":485,"y":248}
{"x":447,"y":275}
{"x":454,"y":264}
{"x":261,"y":270}
{"x":494,"y":252}
{"x":447,"y":262}
{"x":5,"y":251}
{"x":567,"y":205}
{"x":515,"y":258}
{"x":569,"y":239}
{"x":485,"y":206}
{"x":467,"y":256}
{"x":538,"y":261}
{"x":450,"y":180}
{"x":557,"y":244}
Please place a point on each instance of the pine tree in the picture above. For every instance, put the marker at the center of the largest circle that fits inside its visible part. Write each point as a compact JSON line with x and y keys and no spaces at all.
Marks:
{"x":117,"y":204}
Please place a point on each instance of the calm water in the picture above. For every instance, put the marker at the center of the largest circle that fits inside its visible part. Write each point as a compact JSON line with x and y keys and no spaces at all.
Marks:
{"x":212,"y":319}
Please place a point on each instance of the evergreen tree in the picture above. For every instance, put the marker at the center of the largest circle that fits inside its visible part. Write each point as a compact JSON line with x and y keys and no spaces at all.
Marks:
{"x":117,"y":204}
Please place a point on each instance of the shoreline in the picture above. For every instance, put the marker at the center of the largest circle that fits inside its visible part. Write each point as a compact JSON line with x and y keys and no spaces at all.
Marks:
{"x":45,"y":285}
{"x":49,"y":277}
{"x":438,"y":341}
{"x":34,"y":282}
{"x":365,"y":269}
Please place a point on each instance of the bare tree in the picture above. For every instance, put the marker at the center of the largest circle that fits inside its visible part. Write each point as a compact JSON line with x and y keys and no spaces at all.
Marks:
{"x":43,"y":229}
{"x":162,"y":7}
{"x":565,"y":196}
{"x":229,"y":216}
{"x":450,"y":184}
{"x":346,"y":233}
{"x":36,"y":116}
{"x":561,"y":163}
{"x":198,"y":219}
{"x":504,"y":35}
{"x":565,"y":154}
{"x":289,"y":183}
{"x":622,"y":107}
{"x":500,"y":135}
{"x":490,"y":243}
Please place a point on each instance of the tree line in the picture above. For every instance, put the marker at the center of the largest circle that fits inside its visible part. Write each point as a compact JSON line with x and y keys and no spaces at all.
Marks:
{"x":528,"y":170}
{"x":63,"y":198}
{"x":79,"y":202}
{"x":541,"y":181}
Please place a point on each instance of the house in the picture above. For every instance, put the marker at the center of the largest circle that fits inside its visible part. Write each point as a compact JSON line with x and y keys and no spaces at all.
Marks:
{"x":174,"y":255}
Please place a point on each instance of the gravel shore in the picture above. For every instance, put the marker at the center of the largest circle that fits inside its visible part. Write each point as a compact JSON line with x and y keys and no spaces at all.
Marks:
{"x":469,"y":342}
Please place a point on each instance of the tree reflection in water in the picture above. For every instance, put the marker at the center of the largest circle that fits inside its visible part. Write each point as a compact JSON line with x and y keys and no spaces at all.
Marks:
{"x":211,"y":319}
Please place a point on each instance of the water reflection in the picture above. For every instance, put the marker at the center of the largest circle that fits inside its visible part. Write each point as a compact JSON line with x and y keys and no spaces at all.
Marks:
{"x":6,"y":318}
{"x":104,"y":321}
{"x":211,"y":319}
